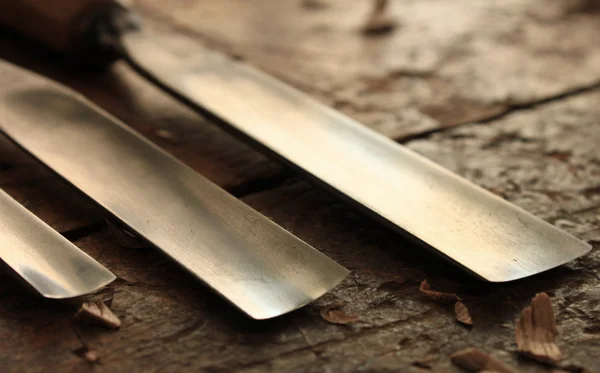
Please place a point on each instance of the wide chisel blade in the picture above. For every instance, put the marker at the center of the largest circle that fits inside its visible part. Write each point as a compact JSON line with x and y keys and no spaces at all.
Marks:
{"x":465,"y":223}
{"x":252,"y":262}
{"x":47,"y":261}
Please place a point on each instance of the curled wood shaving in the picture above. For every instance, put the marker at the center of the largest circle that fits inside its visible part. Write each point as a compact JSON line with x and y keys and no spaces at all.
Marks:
{"x":379,"y":22}
{"x":475,"y":360}
{"x":425,"y":288}
{"x":535,"y":331}
{"x":98,"y":313}
{"x":336,"y":316}
{"x":462,"y":313}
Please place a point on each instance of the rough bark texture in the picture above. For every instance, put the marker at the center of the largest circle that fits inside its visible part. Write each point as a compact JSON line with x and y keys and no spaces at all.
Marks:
{"x":503,"y":93}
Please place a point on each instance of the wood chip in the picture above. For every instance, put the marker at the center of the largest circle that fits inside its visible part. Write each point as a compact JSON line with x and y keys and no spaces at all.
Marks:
{"x":462,"y":313}
{"x":379,"y":21}
{"x":436,"y":295}
{"x":91,"y":356}
{"x":535,"y":331}
{"x":475,"y":360}
{"x":337,"y":316}
{"x":98,"y":313}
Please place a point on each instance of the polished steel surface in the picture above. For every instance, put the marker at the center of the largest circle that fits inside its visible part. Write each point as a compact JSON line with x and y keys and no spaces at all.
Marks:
{"x":43,"y":258}
{"x":472,"y":227}
{"x":258,"y":266}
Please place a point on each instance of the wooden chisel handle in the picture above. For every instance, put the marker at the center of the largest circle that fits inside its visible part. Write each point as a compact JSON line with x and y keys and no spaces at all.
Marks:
{"x":66,"y":26}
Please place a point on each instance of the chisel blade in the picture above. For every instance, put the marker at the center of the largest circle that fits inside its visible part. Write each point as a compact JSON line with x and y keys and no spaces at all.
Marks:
{"x":258,"y":266}
{"x":464,"y":223}
{"x":47,"y":261}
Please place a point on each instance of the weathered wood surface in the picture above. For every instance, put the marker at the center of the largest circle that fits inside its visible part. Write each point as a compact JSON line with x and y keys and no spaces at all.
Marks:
{"x":517,"y":79}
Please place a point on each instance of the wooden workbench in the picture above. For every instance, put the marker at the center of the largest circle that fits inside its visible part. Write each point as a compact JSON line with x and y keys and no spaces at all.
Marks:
{"x":506,"y":94}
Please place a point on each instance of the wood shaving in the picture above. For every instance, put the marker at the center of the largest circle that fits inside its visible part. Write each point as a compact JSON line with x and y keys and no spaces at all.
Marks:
{"x":379,"y":21}
{"x":535,"y":331}
{"x":91,"y":356}
{"x":475,"y":360}
{"x":462,"y":313}
{"x":425,"y":288}
{"x":336,"y":316}
{"x":98,"y":313}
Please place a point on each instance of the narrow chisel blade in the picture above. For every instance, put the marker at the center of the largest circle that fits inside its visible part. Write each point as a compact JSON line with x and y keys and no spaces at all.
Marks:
{"x":47,"y":261}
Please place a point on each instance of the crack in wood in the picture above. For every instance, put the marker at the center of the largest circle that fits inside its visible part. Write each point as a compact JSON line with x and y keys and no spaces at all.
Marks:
{"x":188,"y":330}
{"x":347,"y":339}
{"x":512,"y":108}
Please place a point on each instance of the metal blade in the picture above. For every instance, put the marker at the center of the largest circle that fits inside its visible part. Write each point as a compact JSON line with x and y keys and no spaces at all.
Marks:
{"x":258,"y":266}
{"x":43,"y":258}
{"x":468,"y":225}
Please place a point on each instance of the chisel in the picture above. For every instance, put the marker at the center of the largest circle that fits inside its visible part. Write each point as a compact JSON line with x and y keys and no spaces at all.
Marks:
{"x":258,"y":266}
{"x":44,"y":259}
{"x":462,"y":222}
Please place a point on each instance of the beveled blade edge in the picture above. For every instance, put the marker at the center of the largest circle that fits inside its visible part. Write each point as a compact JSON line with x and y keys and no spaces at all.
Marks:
{"x":253,"y":263}
{"x":464,"y":223}
{"x":47,"y":261}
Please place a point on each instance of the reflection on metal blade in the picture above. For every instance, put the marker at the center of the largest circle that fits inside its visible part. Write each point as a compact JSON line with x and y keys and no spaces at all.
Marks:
{"x":468,"y":225}
{"x":258,"y":266}
{"x":43,"y":258}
